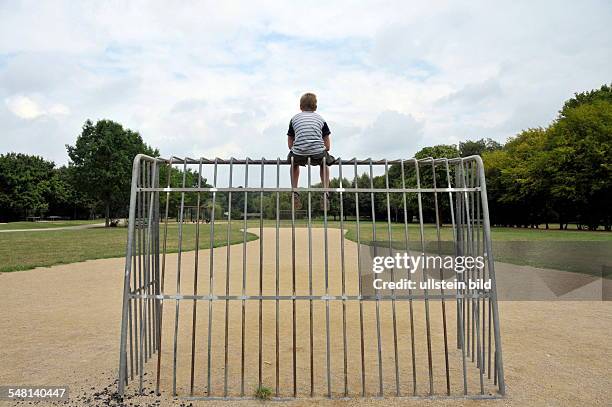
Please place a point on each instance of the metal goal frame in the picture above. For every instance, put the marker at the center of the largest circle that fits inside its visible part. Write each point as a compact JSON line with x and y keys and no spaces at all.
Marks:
{"x":459,"y":182}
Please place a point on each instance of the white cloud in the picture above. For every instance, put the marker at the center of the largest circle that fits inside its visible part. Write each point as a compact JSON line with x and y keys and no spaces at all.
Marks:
{"x":24,"y":107}
{"x":224,"y":79}
{"x":27,"y":108}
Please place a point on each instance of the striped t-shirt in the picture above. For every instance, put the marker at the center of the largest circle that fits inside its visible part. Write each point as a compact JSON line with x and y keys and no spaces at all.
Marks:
{"x":307,"y":130}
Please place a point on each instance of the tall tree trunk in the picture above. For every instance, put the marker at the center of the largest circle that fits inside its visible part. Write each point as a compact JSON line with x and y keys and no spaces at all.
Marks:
{"x":107,"y":215}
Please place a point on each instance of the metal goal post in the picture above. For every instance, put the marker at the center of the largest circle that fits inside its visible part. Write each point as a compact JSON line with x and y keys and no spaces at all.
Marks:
{"x":253,"y":299}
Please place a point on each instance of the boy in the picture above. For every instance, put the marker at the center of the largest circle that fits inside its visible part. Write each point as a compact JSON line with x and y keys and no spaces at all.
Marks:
{"x":308,"y":137}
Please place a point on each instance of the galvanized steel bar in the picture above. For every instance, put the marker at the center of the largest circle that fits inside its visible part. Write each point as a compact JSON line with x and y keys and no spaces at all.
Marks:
{"x":426,"y":290}
{"x":310,"y":279}
{"x":439,"y":244}
{"x":326,"y":264}
{"x":390,"y":238}
{"x":178,"y":281}
{"x":409,"y":275}
{"x":362,"y":347}
{"x":195,"y":283}
{"x":211,"y":282}
{"x":374,"y":243}
{"x":244,"y":274}
{"x":343,"y":276}
{"x":227,"y":276}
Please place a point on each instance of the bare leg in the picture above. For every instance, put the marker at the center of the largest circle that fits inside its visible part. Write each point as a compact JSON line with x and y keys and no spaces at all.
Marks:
{"x":324,"y":172}
{"x":295,"y":175}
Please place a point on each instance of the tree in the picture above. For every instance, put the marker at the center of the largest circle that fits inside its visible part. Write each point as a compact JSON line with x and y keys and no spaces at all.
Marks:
{"x":581,"y":151}
{"x":586,"y":98}
{"x":102,"y":161}
{"x":562,"y":172}
{"x":27,"y":184}
{"x":478,"y":147}
{"x":518,"y":180}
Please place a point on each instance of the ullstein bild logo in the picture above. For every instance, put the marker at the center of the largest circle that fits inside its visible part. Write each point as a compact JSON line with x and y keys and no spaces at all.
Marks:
{"x":412,"y":263}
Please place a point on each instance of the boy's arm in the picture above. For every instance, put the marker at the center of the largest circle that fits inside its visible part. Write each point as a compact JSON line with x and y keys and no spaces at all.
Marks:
{"x":326,"y":141}
{"x":326,"y":132}
{"x":290,"y":135}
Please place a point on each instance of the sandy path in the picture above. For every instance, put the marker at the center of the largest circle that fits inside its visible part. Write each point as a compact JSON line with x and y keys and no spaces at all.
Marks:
{"x":60,"y":326}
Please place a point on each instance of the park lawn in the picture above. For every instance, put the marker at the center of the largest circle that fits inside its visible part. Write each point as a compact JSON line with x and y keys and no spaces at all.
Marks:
{"x":588,"y":252}
{"x":446,"y":231}
{"x":27,"y":250}
{"x":581,"y":251}
{"x":47,"y":224}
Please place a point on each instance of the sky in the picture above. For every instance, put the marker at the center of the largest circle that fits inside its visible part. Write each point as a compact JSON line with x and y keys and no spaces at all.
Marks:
{"x":224,"y":78}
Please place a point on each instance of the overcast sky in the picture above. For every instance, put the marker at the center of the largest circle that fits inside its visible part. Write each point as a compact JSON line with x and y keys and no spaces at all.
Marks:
{"x":223,"y":79}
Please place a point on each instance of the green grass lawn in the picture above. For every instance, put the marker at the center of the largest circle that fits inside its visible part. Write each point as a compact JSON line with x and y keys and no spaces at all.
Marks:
{"x":570,"y":250}
{"x":26,"y":250}
{"x":47,"y":224}
{"x":581,"y":251}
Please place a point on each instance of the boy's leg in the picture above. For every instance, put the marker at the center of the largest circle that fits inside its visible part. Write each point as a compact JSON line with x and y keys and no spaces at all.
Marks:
{"x":295,"y":175}
{"x":324,"y":173}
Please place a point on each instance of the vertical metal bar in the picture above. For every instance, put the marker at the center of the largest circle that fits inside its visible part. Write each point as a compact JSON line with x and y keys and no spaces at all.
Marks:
{"x":489,"y":341}
{"x":473,"y":301}
{"x":149,"y":268}
{"x":211,"y":276}
{"x":362,"y":347}
{"x":461,"y":251}
{"x":141,"y":319}
{"x":343,"y":271}
{"x":326,"y":263}
{"x":154,"y":254}
{"x":227,"y":274}
{"x":244,"y":267}
{"x":390,"y":237}
{"x":478,"y":290}
{"x":438,"y":236}
{"x":130,"y":339}
{"x":145,"y":262}
{"x":426,"y":291}
{"x":157,"y":259}
{"x":459,"y":326}
{"x":409,"y":273}
{"x":126,"y":278}
{"x":178,"y":280}
{"x":277,"y":270}
{"x":195,"y":280}
{"x":163,"y":275}
{"x":261,"y":275}
{"x":484,"y":298}
{"x":293,"y":283}
{"x":459,"y":248}
{"x":310,"y":280}
{"x":135,"y":300}
{"x":469,"y":212}
{"x":374,"y":243}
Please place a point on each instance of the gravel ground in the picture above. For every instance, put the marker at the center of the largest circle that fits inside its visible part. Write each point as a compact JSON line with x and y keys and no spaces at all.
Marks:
{"x":60,"y":326}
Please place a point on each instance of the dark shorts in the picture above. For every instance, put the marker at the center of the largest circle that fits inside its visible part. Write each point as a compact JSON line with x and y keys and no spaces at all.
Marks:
{"x":315,"y":159}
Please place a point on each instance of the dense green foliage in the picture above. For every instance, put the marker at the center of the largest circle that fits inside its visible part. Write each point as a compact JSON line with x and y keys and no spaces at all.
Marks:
{"x":30,"y":186}
{"x":562,"y":173}
{"x":102,"y":162}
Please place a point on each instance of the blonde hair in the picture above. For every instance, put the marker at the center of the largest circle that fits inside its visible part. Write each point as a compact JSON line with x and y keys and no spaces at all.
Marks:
{"x":308,"y":102}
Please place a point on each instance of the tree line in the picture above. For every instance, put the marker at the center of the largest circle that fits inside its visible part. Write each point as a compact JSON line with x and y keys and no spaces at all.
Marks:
{"x":558,"y":174}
